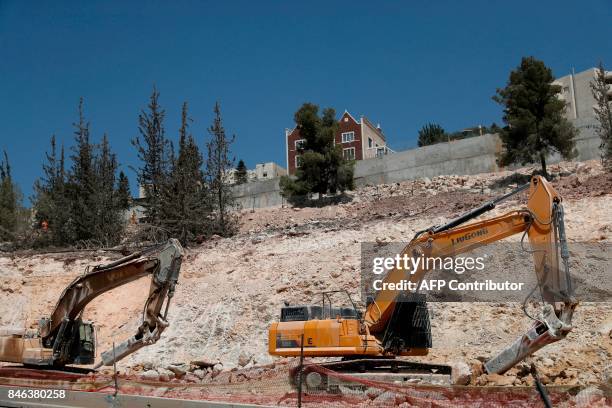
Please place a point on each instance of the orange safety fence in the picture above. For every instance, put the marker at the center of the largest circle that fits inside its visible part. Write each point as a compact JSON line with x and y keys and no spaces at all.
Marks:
{"x":275,"y":385}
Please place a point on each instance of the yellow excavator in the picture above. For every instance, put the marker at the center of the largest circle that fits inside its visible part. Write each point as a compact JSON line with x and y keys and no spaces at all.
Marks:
{"x":395,"y":324}
{"x":65,"y":338}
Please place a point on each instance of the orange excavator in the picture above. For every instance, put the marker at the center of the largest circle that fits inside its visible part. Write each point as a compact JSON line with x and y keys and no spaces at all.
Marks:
{"x":396,"y":322}
{"x":65,"y":338}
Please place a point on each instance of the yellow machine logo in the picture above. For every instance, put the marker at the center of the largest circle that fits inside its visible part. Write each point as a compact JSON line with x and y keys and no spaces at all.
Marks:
{"x":469,"y":236}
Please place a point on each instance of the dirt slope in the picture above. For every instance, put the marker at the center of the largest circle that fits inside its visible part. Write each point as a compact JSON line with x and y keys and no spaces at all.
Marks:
{"x":231,"y":289}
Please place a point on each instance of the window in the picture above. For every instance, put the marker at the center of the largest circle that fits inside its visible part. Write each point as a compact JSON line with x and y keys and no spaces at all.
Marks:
{"x":370,"y":142}
{"x":298,"y":161}
{"x":265,"y":175}
{"x":349,"y":154}
{"x":299,"y":144}
{"x":348,"y":137}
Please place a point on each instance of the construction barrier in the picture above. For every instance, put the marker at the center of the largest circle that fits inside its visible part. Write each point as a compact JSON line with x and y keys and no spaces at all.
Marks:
{"x":278,"y":385}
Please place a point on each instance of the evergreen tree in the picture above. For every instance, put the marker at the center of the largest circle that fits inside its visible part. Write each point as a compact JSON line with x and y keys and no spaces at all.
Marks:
{"x":10,"y":199}
{"x":534,"y":115}
{"x":108,"y":224}
{"x":80,"y":204}
{"x":323,"y":169}
{"x":218,"y":164}
{"x":600,"y":88}
{"x":51,"y":202}
{"x":123,"y":195}
{"x":431,"y":133}
{"x":83,"y":181}
{"x":154,"y":151}
{"x":242,"y":175}
{"x":186,"y":206}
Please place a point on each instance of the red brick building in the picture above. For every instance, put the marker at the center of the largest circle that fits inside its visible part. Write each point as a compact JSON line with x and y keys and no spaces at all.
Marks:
{"x":359,"y":139}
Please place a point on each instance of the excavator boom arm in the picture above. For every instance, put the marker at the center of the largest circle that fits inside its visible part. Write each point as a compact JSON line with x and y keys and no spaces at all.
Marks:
{"x":442,"y":244}
{"x":161,"y":262}
{"x":542,"y":220}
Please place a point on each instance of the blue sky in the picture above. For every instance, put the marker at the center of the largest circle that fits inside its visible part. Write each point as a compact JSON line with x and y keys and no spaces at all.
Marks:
{"x":400,"y":63}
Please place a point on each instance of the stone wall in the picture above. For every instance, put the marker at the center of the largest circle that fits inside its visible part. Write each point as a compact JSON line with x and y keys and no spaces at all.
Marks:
{"x":462,"y":157}
{"x":468,"y":156}
{"x":258,"y":194}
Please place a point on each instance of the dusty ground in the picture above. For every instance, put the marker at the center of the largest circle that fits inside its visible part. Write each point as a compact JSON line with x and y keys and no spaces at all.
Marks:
{"x":232,"y":289}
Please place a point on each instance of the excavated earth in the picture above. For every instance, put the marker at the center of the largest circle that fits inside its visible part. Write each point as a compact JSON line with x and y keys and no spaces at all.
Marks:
{"x":231,"y":289}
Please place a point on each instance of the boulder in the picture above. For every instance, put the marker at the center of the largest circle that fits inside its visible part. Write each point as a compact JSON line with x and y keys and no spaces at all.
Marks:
{"x":165,"y":377}
{"x":200,"y":373}
{"x":243,"y":359}
{"x":501,"y":380}
{"x":589,"y":397}
{"x":461,"y":373}
{"x":150,"y":375}
{"x":179,"y":371}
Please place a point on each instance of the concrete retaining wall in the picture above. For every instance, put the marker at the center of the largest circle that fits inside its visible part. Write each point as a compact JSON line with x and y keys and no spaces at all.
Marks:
{"x":468,"y":156}
{"x":462,"y":157}
{"x":258,"y":194}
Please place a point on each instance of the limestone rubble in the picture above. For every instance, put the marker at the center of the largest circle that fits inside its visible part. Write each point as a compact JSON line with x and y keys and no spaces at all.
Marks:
{"x":231,"y":289}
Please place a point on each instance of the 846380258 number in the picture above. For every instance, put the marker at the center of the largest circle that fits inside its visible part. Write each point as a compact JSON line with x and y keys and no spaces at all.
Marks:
{"x":36,"y":393}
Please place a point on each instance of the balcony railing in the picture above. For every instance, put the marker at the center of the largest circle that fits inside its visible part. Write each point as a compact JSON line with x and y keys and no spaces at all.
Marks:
{"x":376,"y":152}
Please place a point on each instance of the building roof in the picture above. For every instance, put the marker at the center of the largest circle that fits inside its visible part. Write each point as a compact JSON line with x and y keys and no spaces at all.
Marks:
{"x":362,"y":120}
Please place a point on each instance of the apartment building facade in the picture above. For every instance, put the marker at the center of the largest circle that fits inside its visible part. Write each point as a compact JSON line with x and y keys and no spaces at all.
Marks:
{"x":576,"y":92}
{"x":359,"y":140}
{"x":262,"y":171}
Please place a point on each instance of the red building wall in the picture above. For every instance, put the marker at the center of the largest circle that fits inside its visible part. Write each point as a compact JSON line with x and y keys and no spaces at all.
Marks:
{"x":291,"y":150}
{"x":346,"y":124}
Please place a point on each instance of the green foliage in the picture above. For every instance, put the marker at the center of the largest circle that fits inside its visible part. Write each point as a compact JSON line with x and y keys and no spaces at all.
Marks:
{"x":154,"y":152}
{"x":123,"y":194}
{"x":108,"y":223}
{"x":603,"y":112}
{"x":82,"y":181}
{"x":80,"y":204}
{"x":242,"y":175}
{"x":218,"y":164}
{"x":10,"y":203}
{"x":323,"y":169}
{"x":180,"y":198}
{"x":51,"y":201}
{"x":431,"y":133}
{"x":186,"y":206}
{"x":534,"y":117}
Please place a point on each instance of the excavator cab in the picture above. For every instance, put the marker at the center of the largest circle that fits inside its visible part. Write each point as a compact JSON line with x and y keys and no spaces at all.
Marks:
{"x":84,"y":348}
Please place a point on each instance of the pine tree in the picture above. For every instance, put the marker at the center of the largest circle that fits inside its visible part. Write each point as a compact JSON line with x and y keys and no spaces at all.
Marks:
{"x":241,"y":173}
{"x":185,"y":200}
{"x":218,"y":164}
{"x":80,"y":204}
{"x":431,"y":133}
{"x":323,"y":169}
{"x":108,"y":224}
{"x":82,"y":181}
{"x":534,"y":115}
{"x":123,"y":194}
{"x":51,"y":202}
{"x":154,"y":151}
{"x":600,"y":88}
{"x":10,"y":199}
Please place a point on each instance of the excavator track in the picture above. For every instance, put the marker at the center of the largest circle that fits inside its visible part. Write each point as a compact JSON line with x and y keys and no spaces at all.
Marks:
{"x":43,"y":373}
{"x":324,"y":375}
